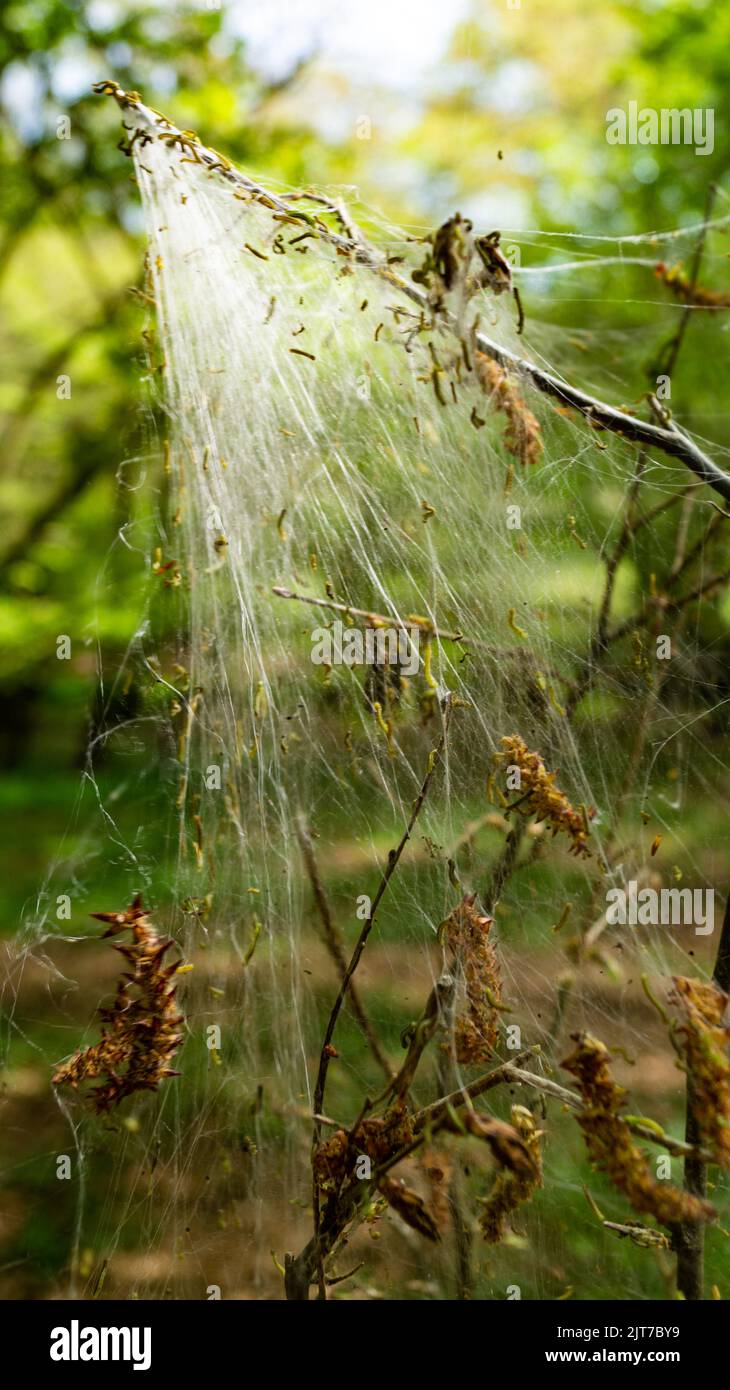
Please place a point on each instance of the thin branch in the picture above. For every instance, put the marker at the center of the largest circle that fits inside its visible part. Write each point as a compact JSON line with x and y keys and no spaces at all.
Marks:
{"x":431,"y":1115}
{"x":504,"y":866}
{"x":660,"y":603}
{"x":656,"y":603}
{"x":413,"y":620}
{"x":335,"y":946}
{"x":340,"y":1278}
{"x":299,"y":1270}
{"x":601,"y":638}
{"x":686,"y":1149}
{"x":392,"y":864}
{"x":667,"y":438}
{"x":689,"y":556}
{"x":628,"y":530}
{"x":463,"y":1235}
{"x":682,"y":559}
{"x":375,"y":619}
{"x":675,"y":343}
{"x":437,"y":1008}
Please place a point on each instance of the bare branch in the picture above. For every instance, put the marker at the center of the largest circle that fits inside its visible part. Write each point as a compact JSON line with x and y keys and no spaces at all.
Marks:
{"x":669,"y":439}
{"x":335,"y":947}
{"x":391,"y":866}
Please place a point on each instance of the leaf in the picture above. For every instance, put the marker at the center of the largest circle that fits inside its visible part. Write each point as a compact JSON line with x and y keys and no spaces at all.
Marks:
{"x":509,"y":1150}
{"x":410,"y":1207}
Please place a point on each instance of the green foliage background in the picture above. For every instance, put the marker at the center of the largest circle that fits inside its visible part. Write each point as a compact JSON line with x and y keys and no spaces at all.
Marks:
{"x":514,"y":118}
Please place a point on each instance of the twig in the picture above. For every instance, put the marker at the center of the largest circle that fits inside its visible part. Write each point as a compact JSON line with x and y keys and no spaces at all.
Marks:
{"x":686,"y":1149}
{"x":604,"y":637}
{"x":653,"y":605}
{"x":598,"y":642}
{"x":327,"y":1120}
{"x":431,"y":1115}
{"x":437,"y":1007}
{"x":389,"y":870}
{"x":660,"y":603}
{"x":504,"y":867}
{"x":680,"y":540}
{"x":447,"y":1077}
{"x":687,"y":558}
{"x":332,"y":1279}
{"x":335,"y":947}
{"x":627,"y":532}
{"x":299,"y":1269}
{"x":424,"y":624}
{"x":675,"y":343}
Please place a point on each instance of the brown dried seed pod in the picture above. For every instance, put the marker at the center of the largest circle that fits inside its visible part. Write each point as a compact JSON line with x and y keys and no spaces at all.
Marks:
{"x":507,"y":1146}
{"x":328,"y":1164}
{"x":476,"y":1023}
{"x":540,"y":795}
{"x":437,"y":1170}
{"x":506,"y":1143}
{"x":610,"y":1145}
{"x":140,"y":1030}
{"x":522,"y":437}
{"x":379,"y":1137}
{"x":410,"y":1207}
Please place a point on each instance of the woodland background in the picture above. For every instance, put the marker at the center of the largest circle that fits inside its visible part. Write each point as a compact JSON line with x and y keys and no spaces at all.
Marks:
{"x":496,"y":111}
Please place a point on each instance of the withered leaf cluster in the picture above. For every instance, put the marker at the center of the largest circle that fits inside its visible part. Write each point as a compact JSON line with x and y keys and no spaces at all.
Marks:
{"x":383,"y":1137}
{"x":465,"y":933}
{"x":379,"y":1137}
{"x":513,"y":1186}
{"x":610,"y":1144}
{"x":522,"y":436}
{"x":506,"y":1144}
{"x":437,"y":1170}
{"x":410,"y":1207}
{"x":448,"y":270}
{"x":542,"y":798}
{"x":140,"y":1030}
{"x":683,"y":287}
{"x":449,"y":254}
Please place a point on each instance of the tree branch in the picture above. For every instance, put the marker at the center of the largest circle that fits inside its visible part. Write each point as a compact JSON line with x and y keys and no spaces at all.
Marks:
{"x":670,"y":440}
{"x":391,"y":866}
